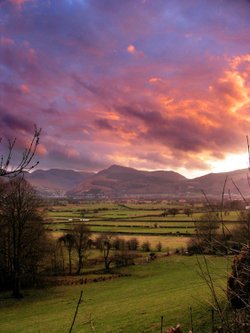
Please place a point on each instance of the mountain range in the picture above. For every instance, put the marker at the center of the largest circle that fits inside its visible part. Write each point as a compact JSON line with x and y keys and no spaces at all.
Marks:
{"x":118,"y":182}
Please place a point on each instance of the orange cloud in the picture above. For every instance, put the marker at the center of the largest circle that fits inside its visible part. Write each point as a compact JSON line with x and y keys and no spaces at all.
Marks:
{"x":42,"y":150}
{"x":232,"y":90}
{"x":72,"y":153}
{"x":131,"y":49}
{"x":155,"y":80}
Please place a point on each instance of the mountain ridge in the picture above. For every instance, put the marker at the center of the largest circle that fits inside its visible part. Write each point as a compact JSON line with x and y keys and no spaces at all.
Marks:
{"x":118,"y":181}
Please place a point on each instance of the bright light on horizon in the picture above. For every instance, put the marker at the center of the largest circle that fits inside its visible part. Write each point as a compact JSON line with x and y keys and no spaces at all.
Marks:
{"x":231,"y":162}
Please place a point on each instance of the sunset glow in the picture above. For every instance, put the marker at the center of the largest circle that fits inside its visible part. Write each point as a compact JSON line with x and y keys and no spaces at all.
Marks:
{"x":149,"y":84}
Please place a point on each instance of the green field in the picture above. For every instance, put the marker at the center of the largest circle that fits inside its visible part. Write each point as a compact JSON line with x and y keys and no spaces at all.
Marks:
{"x":140,"y":230}
{"x":131,"y":219}
{"x":130,"y":304}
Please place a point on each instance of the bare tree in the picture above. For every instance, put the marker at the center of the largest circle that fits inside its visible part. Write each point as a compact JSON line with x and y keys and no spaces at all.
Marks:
{"x":22,"y":238}
{"x":69,"y":242}
{"x":241,"y":233}
{"x":104,"y":244}
{"x":207,"y":225}
{"x":81,"y":236}
{"x":25,"y":162}
{"x":234,"y":311}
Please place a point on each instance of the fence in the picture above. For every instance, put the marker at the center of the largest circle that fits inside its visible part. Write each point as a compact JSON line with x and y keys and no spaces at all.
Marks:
{"x":229,"y":321}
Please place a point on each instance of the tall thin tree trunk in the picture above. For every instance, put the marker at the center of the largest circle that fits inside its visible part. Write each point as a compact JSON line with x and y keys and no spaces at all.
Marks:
{"x":16,"y":288}
{"x":70,"y":262}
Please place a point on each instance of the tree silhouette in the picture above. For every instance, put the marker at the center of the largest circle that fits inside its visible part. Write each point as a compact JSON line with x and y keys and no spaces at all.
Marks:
{"x":22,"y":238}
{"x":25,"y":162}
{"x":69,"y":242}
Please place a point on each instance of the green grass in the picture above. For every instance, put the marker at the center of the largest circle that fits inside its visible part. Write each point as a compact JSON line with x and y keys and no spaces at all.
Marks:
{"x":135,"y":220}
{"x":139,"y":230}
{"x":130,"y":304}
{"x":133,"y":223}
{"x":64,"y":214}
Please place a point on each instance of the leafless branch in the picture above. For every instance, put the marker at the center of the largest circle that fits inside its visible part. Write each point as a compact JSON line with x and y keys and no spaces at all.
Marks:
{"x":207,"y":200}
{"x":237,"y":188}
{"x":25,"y":163}
{"x":76,"y":311}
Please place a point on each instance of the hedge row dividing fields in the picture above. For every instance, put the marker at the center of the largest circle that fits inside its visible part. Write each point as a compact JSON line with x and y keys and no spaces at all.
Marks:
{"x":126,"y":220}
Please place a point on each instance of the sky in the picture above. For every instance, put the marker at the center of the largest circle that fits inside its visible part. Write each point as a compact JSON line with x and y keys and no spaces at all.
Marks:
{"x":148,"y":84}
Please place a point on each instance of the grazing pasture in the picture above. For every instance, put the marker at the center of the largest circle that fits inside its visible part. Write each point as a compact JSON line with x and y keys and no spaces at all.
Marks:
{"x":152,"y":221}
{"x":132,"y":303}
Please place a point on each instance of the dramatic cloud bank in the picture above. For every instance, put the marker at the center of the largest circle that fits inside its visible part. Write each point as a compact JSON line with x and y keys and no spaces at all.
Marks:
{"x":151,"y":84}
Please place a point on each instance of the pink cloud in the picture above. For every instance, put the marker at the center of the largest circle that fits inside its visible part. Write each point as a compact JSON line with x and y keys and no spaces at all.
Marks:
{"x":24,"y":88}
{"x":5,"y":41}
{"x":182,"y":102}
{"x":20,"y":3}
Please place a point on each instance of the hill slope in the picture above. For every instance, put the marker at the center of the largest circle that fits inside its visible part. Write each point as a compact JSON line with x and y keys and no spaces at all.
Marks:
{"x":118,"y":182}
{"x":122,"y":182}
{"x":56,"y":181}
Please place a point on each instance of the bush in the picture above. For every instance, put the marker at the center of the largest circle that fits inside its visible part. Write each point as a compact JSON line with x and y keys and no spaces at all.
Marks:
{"x":124,"y":258}
{"x":146,"y":246}
{"x":100,"y":241}
{"x":119,"y":244}
{"x":194,"y":246}
{"x":238,"y":291}
{"x":133,"y":244}
{"x":152,"y":256}
{"x":159,"y":247}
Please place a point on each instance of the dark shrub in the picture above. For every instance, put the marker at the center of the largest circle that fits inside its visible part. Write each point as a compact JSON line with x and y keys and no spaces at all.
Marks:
{"x":119,"y":244}
{"x":124,"y":258}
{"x":133,"y":244}
{"x":159,"y":247}
{"x":146,"y":246}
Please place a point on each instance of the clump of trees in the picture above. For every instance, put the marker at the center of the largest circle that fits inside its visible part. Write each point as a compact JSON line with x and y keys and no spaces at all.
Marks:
{"x":114,"y":250}
{"x":171,"y":211}
{"x":118,"y":251}
{"x":213,"y":237}
{"x":76,"y":242}
{"x":205,"y":239}
{"x":23,"y":241}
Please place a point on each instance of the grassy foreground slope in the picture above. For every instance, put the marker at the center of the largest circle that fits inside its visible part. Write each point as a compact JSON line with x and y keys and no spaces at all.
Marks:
{"x":131,"y":304}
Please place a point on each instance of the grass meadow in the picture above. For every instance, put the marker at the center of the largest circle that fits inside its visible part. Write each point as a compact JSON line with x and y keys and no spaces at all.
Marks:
{"x":135,"y":301}
{"x":132,"y":303}
{"x":145,"y":221}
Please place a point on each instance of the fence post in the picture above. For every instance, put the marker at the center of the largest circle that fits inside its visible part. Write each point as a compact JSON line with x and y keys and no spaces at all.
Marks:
{"x":191,"y":319}
{"x":161,"y":324}
{"x":212,"y":314}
